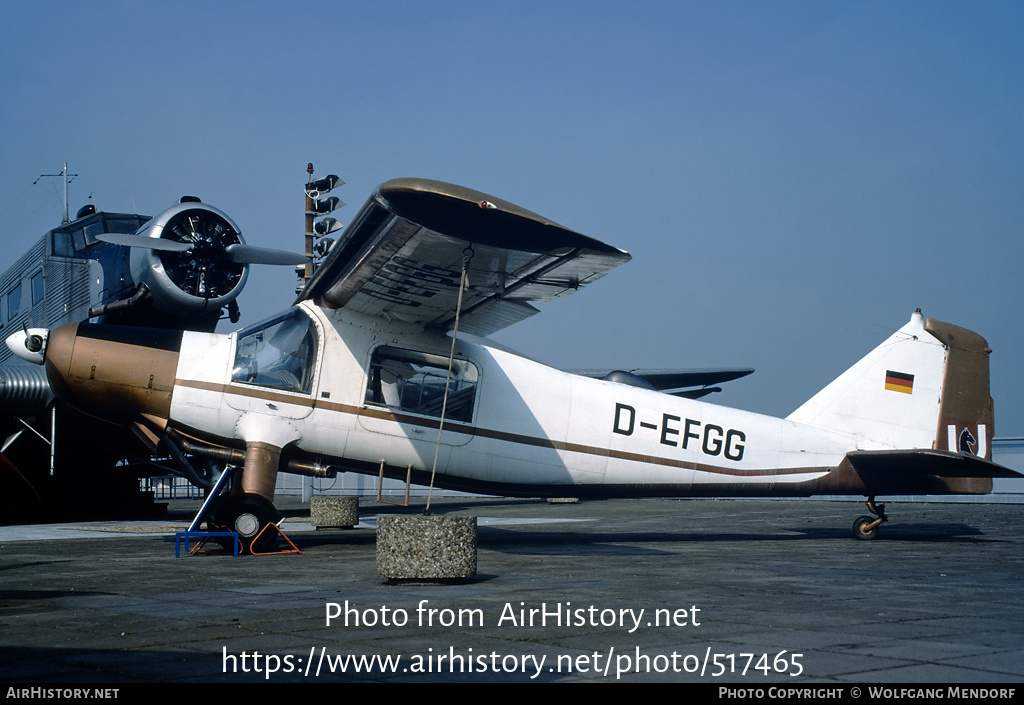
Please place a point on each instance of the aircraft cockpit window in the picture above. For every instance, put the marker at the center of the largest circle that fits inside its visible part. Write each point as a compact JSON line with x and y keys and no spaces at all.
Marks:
{"x":279,"y":353}
{"x":92,"y":230}
{"x":110,"y":224}
{"x":78,"y":239}
{"x":123,"y":223}
{"x":414,"y":382}
{"x":69,"y":241}
{"x":62,"y":245}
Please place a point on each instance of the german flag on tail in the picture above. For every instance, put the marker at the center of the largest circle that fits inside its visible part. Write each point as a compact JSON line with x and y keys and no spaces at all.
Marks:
{"x":899,"y":382}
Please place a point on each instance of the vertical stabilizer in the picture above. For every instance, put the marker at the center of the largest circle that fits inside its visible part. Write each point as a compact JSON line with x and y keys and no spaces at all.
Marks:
{"x":924,"y":387}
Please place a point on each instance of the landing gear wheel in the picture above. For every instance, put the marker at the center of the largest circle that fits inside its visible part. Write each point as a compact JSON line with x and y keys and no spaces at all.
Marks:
{"x":866,"y":527}
{"x":861,"y":530}
{"x":249,"y":514}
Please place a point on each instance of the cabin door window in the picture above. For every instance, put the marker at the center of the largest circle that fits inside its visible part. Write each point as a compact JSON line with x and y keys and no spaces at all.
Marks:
{"x":412,"y":382}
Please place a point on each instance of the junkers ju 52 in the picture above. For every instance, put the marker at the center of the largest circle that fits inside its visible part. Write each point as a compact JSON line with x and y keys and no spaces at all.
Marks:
{"x":180,"y":270}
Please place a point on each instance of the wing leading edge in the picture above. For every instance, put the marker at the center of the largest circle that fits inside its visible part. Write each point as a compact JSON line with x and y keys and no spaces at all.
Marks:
{"x":402,"y":258}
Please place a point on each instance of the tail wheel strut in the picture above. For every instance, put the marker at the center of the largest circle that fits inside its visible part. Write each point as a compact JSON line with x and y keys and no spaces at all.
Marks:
{"x":866,"y":527}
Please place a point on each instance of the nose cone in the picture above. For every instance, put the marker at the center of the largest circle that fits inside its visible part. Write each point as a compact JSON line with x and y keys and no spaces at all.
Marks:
{"x":114,"y":372}
{"x":29,"y":344}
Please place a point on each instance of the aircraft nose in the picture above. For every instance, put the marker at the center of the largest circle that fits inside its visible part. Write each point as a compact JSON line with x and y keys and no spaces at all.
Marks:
{"x":59,"y":348}
{"x":114,"y":372}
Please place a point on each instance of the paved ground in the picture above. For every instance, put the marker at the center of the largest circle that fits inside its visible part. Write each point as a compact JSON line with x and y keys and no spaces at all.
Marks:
{"x":936,"y":599}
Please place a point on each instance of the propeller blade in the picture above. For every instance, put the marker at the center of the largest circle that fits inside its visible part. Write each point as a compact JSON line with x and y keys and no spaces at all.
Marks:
{"x":247,"y":254}
{"x":149,"y":243}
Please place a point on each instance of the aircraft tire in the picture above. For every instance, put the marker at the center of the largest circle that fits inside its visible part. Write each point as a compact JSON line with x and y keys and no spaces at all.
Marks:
{"x":860,"y":530}
{"x":249,"y":514}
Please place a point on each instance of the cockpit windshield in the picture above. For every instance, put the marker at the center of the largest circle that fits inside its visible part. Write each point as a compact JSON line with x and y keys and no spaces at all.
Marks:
{"x":279,"y":353}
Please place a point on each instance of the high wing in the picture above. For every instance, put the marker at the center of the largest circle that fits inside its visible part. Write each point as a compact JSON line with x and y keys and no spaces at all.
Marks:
{"x":402,"y":258}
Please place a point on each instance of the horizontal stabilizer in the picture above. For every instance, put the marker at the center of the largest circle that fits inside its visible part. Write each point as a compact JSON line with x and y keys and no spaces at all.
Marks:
{"x":877,"y":464}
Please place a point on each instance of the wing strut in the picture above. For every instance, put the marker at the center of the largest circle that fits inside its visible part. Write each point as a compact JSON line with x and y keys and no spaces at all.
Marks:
{"x":467,"y":256}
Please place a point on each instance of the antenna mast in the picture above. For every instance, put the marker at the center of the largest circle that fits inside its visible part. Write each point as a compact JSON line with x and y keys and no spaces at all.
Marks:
{"x":68,"y":178}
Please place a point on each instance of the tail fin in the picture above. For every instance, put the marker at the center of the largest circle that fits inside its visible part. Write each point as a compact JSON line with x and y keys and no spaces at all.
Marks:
{"x":925,"y":387}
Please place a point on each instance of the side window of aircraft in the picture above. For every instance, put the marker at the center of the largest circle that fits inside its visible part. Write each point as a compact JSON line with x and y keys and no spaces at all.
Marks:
{"x":14,"y":302}
{"x":37,"y":288}
{"x":279,"y":353}
{"x":414,"y":382}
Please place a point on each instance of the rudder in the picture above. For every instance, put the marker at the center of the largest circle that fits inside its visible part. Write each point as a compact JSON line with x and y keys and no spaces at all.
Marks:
{"x":966,"y":414}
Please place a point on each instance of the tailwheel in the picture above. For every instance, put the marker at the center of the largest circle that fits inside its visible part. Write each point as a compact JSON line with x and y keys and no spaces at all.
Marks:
{"x":866,"y":527}
{"x":249,"y":514}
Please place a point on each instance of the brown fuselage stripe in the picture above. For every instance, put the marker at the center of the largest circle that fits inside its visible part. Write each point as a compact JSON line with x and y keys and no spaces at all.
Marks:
{"x":270,"y":395}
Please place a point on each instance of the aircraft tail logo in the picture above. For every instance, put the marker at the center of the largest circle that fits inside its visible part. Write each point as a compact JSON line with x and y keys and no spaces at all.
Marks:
{"x":967,"y":440}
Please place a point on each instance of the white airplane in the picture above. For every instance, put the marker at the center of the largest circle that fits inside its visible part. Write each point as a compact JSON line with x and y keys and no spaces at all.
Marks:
{"x":383,"y":364}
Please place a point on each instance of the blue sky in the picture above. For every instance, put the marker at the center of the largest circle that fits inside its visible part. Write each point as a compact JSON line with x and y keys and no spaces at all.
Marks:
{"x":792,"y":179}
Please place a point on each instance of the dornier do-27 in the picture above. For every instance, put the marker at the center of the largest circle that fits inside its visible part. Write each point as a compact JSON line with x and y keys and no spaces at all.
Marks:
{"x":383,"y":364}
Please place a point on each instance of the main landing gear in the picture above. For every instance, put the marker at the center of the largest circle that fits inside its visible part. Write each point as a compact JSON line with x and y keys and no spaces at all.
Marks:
{"x":866,"y":527}
{"x":249,"y":514}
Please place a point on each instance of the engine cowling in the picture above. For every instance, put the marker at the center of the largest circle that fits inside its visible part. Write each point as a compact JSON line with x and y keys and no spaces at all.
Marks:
{"x":202,"y":279}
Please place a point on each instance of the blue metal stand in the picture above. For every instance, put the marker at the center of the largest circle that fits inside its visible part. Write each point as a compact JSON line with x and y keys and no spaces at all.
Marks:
{"x":194,"y":526}
{"x":202,"y":536}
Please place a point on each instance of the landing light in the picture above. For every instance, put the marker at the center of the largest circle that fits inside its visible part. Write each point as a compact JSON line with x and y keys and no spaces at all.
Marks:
{"x":315,"y":189}
{"x":322,"y":247}
{"x":327,"y":205}
{"x":327,"y":226}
